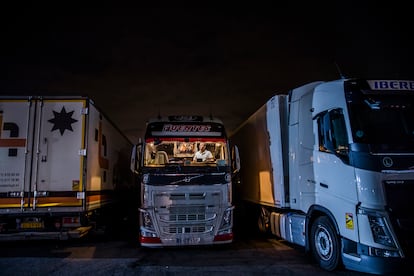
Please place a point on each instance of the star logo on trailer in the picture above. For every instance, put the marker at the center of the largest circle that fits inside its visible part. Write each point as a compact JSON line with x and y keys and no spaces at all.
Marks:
{"x":62,"y":121}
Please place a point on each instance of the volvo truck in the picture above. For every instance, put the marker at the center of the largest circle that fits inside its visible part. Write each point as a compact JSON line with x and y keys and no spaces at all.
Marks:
{"x":330,"y":166}
{"x":64,"y":169}
{"x":185,"y":201}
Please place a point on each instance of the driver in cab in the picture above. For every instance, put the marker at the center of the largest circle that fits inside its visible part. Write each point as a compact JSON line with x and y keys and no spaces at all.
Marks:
{"x":202,"y":154}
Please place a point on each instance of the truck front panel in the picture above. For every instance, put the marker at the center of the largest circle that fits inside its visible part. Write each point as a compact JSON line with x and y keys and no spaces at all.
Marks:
{"x":185,"y":200}
{"x":190,"y":214}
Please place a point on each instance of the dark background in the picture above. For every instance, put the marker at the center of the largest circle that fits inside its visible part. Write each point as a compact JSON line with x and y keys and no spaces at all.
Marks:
{"x":138,"y":62}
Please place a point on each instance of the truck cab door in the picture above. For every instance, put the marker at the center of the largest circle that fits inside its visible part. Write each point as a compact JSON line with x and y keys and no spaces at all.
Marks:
{"x":334,"y":177}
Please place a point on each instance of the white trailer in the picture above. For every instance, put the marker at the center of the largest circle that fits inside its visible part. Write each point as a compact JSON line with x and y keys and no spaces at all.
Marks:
{"x":64,"y":167}
{"x":330,"y":167}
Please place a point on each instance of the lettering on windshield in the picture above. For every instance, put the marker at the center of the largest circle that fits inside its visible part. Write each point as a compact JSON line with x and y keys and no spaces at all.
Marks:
{"x":186,"y":128}
{"x":391,"y":85}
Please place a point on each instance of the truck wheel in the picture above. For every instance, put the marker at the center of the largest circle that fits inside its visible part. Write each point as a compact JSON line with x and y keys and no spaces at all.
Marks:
{"x":325,"y":245}
{"x":263,"y":221}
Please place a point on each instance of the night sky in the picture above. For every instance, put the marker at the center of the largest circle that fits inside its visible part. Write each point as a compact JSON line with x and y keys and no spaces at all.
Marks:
{"x":136,"y":63}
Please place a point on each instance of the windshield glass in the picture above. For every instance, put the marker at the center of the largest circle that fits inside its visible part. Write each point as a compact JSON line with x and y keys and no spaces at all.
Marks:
{"x":200,"y":152}
{"x":384,"y":122}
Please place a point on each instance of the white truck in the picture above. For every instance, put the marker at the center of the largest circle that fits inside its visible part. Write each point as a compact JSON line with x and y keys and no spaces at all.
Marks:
{"x":330,"y":166}
{"x":64,"y":168}
{"x":184,"y":202}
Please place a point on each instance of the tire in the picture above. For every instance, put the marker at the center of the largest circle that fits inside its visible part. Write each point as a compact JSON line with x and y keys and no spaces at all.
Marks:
{"x":263,"y":221}
{"x":325,"y":244}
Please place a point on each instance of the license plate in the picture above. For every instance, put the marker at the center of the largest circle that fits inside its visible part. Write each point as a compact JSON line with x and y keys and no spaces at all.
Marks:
{"x":189,"y":241}
{"x":31,"y":225}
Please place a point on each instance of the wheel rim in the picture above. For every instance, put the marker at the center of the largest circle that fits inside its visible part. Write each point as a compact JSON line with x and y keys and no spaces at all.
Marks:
{"x":263,"y":219}
{"x":323,"y":243}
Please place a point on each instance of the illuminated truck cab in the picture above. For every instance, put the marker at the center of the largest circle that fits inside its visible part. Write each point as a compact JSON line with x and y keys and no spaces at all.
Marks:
{"x":185,"y":201}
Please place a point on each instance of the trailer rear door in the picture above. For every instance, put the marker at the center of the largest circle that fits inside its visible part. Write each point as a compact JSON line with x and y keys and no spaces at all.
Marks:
{"x":58,"y":166}
{"x":16,"y":134}
{"x":42,"y":146}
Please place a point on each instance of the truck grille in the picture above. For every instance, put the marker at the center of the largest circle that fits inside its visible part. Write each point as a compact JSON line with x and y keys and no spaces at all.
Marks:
{"x":187,"y":217}
{"x":185,"y":229}
{"x":399,"y":195}
{"x":187,"y":213}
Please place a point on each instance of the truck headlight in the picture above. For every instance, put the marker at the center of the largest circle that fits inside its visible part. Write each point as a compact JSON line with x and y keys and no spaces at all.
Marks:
{"x":146,"y":220}
{"x":380,"y":231}
{"x":227,"y":218}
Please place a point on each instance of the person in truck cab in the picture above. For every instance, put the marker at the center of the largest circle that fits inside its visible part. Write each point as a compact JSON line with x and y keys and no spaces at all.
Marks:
{"x":202,"y":154}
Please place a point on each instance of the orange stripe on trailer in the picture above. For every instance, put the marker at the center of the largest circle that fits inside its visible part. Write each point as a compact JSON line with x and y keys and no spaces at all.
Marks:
{"x":58,"y":201}
{"x":53,"y":201}
{"x":11,"y":203}
{"x":12,"y":142}
{"x":97,"y":198}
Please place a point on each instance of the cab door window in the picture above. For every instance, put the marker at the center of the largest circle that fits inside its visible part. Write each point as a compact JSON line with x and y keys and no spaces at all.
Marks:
{"x":332,"y":132}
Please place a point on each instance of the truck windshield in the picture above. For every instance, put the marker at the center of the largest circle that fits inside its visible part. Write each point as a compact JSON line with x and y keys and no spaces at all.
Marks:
{"x":171,"y":151}
{"x":385,"y":122}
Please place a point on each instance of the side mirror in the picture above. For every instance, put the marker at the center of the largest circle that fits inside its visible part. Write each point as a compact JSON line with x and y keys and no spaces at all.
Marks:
{"x":235,"y":159}
{"x":134,"y":159}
